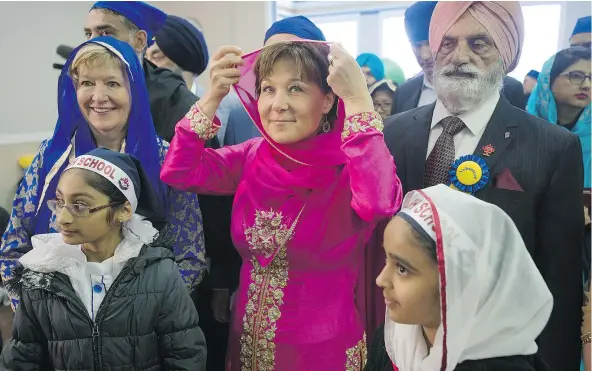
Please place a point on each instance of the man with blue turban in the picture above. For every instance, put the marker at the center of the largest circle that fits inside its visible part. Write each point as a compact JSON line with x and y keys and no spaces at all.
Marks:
{"x":582,"y":33}
{"x":240,"y":128}
{"x":372,"y":67}
{"x":137,"y":23}
{"x":181,"y":47}
{"x":419,"y":91}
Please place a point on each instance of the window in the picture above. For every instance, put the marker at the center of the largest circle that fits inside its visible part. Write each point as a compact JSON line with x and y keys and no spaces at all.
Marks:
{"x":541,"y":22}
{"x":396,"y":46}
{"x":344,"y":32}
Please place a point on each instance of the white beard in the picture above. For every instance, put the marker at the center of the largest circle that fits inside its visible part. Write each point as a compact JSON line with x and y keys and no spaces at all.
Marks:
{"x":464,"y":94}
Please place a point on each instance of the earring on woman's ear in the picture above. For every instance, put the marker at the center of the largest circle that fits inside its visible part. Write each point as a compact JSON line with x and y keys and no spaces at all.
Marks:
{"x":326,"y":124}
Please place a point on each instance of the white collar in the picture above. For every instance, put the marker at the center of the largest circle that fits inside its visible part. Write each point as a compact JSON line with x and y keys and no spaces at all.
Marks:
{"x":51,"y":254}
{"x":426,"y":83}
{"x":475,"y":120}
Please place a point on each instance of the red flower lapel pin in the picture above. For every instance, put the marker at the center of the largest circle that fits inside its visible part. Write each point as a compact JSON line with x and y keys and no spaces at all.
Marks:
{"x":488,"y":150}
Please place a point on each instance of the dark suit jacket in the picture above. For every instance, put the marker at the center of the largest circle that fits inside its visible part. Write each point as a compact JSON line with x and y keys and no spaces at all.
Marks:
{"x":407,"y":95}
{"x":170,"y":100}
{"x":240,"y":127}
{"x":546,"y":160}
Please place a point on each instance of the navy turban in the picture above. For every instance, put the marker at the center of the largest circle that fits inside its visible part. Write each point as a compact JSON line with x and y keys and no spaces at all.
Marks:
{"x":184,"y":44}
{"x":298,"y":26}
{"x":144,"y":16}
{"x":417,"y":20}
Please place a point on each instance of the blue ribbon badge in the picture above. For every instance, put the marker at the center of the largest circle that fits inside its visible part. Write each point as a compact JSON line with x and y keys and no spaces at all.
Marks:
{"x":469,"y":174}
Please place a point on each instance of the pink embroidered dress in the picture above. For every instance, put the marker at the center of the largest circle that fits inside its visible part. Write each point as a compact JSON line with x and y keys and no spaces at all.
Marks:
{"x":302,"y":214}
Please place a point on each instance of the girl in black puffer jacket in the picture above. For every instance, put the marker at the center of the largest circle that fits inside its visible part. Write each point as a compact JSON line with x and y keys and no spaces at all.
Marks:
{"x":103,"y":294}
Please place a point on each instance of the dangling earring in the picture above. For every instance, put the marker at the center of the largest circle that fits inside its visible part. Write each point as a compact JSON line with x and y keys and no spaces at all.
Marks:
{"x":326,"y":124}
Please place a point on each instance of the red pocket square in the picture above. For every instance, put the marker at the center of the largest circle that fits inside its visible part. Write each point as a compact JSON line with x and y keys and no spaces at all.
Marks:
{"x":505,"y":180}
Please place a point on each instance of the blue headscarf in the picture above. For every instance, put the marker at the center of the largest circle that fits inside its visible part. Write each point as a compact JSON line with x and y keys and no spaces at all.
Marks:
{"x":298,"y":26}
{"x":140,"y":141}
{"x":373,"y":62}
{"x":144,"y":16}
{"x":583,"y":25}
{"x":417,"y":20}
{"x":542,"y":104}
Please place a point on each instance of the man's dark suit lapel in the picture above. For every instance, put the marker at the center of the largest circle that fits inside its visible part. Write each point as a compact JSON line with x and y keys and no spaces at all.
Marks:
{"x":413,"y":99}
{"x":499,"y":134}
{"x":416,"y":154}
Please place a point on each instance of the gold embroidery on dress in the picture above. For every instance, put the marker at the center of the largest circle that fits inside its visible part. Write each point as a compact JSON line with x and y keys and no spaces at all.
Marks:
{"x":268,"y":233}
{"x":265,"y":296}
{"x":356,"y":356}
{"x":362,"y":122}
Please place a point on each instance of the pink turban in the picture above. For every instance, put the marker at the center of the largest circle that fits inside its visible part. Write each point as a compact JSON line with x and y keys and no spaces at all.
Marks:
{"x":502,"y":19}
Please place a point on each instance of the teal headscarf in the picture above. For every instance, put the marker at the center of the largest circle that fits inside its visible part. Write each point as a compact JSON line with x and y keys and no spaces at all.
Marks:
{"x":542,"y":104}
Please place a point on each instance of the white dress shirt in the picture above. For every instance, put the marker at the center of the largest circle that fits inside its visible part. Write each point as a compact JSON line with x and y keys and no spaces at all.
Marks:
{"x":475,"y":121}
{"x":428,"y":94}
{"x":101,"y":278}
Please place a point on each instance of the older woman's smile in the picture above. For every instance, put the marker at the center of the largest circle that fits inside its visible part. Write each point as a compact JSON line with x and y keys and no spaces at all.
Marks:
{"x":102,"y":111}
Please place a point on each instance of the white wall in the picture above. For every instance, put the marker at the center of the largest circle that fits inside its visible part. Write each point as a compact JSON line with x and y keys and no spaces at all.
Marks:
{"x":31,"y":31}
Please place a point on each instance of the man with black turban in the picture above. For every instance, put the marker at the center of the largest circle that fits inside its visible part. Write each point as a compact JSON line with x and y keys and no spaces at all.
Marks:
{"x":181,"y":47}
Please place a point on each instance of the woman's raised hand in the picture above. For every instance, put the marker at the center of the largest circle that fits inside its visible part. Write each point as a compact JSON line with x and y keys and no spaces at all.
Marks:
{"x":347,"y":80}
{"x":223,"y":74}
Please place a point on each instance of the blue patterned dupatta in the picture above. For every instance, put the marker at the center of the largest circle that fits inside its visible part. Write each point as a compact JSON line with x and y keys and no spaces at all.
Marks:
{"x":72,"y":137}
{"x":73,"y":130}
{"x":542,"y":104}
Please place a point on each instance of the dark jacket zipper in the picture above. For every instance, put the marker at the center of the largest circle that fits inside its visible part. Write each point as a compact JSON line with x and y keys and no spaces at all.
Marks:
{"x":97,"y":355}
{"x":95,"y":325}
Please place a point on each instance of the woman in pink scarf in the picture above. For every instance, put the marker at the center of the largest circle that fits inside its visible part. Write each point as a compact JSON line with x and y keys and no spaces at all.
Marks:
{"x":307,"y":197}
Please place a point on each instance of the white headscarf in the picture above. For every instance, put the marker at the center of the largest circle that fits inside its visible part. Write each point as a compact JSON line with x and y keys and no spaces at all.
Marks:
{"x":494,"y":301}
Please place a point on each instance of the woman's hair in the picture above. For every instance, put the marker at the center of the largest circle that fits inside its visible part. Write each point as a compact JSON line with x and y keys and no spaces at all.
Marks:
{"x":566,"y":58}
{"x":92,"y":56}
{"x":104,"y":186}
{"x":427,"y":244}
{"x":311,"y":60}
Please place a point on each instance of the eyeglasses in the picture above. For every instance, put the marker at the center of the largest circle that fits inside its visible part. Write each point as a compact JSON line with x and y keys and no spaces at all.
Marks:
{"x":76,"y":210}
{"x":384,"y":105}
{"x":577,"y":77}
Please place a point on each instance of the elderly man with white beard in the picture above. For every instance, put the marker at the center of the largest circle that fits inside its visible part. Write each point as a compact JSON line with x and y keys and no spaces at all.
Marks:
{"x":474,"y":140}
